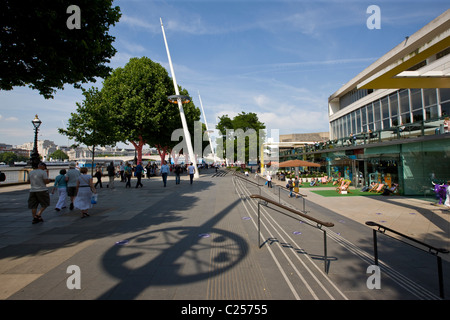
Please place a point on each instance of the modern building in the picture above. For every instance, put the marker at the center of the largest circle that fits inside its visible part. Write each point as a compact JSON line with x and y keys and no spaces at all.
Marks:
{"x":389,"y":124}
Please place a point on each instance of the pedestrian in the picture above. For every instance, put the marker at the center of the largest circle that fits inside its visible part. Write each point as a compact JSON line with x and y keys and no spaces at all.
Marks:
{"x":138,"y":172}
{"x":296,"y":186}
{"x":85,"y":188}
{"x":164,"y":172}
{"x":269,"y":181}
{"x":177,"y":174}
{"x":71,"y":179}
{"x":60,"y":186}
{"x":447,"y":194}
{"x":98,"y":175}
{"x":111,"y":175}
{"x":291,"y":187}
{"x":148,"y":168}
{"x":121,"y":170}
{"x":127,"y":175}
{"x":38,"y":192}
{"x":191,"y":170}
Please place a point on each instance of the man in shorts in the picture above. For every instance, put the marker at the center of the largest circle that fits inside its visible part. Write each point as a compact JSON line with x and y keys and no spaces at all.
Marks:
{"x":72,"y":178}
{"x":38,"y":192}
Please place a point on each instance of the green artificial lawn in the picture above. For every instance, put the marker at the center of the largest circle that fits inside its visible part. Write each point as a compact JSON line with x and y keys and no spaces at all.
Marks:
{"x":352,"y":193}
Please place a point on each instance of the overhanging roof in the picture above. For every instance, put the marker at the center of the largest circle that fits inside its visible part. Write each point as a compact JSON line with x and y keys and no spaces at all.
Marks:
{"x":391,"y":70}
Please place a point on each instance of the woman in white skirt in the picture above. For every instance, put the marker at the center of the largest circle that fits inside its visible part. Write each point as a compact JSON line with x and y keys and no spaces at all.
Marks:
{"x":447,"y":195}
{"x":85,"y":188}
{"x":60,"y":186}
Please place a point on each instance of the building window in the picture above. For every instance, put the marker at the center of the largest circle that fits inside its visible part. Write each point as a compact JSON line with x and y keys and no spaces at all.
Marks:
{"x":430,"y":104}
{"x":416,"y":105}
{"x":404,"y":101}
{"x":364,"y":119}
{"x":377,"y":115}
{"x":429,"y":97}
{"x":445,"y":102}
{"x":393,"y":103}
{"x":358,"y":121}
{"x":385,"y":112}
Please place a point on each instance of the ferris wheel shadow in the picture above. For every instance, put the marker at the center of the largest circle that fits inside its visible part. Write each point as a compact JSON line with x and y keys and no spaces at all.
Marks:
{"x":172,"y":256}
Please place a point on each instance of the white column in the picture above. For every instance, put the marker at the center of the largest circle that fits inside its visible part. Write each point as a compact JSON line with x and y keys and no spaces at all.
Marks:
{"x":187,"y":136}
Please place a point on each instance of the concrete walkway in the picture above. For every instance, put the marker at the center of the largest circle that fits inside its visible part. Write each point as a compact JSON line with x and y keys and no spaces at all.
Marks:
{"x":199,"y":242}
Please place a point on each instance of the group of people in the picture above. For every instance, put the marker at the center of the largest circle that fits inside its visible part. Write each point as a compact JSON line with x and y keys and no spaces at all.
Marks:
{"x":165,"y":171}
{"x":74,"y":183}
{"x":126,"y":172}
{"x":78,"y":185}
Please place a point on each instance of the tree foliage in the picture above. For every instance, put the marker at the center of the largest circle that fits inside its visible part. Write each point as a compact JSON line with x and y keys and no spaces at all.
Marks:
{"x":39,"y":50}
{"x":59,"y":154}
{"x":137,"y":95}
{"x":93,"y":123}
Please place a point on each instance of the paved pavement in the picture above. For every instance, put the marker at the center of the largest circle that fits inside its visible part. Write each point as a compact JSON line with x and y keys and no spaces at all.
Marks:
{"x":200,"y":242}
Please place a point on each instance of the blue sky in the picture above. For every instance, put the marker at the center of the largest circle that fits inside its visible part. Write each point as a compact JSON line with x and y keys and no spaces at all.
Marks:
{"x":279,"y":59}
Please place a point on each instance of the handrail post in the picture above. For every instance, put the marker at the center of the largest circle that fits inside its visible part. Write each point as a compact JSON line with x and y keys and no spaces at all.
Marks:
{"x":325,"y":251}
{"x":375,"y":246}
{"x":441,"y":277}
{"x":259,"y":225}
{"x":431,"y":250}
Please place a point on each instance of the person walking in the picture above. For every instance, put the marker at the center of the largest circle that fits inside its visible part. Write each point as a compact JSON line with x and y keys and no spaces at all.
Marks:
{"x":138,"y":171}
{"x":98,"y":175}
{"x":38,"y":192}
{"x":164,"y":172}
{"x":127,"y":175}
{"x":191,"y":170}
{"x":111,"y":175}
{"x":177,"y":174}
{"x":71,"y":179}
{"x":85,"y":188}
{"x":60,"y":186}
{"x":447,"y":195}
{"x":291,"y":187}
{"x":269,"y":181}
{"x":122,"y":170}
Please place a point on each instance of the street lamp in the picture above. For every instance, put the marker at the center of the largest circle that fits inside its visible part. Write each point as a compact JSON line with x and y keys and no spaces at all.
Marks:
{"x":34,"y":160}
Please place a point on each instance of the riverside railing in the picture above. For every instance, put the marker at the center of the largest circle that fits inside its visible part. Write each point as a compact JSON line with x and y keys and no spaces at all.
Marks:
{"x":430,"y":249}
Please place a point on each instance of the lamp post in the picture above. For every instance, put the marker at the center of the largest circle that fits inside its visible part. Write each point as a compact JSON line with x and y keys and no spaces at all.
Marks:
{"x":34,"y":159}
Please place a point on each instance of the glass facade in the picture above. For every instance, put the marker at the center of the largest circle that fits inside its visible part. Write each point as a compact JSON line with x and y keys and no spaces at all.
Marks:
{"x":404,"y":107}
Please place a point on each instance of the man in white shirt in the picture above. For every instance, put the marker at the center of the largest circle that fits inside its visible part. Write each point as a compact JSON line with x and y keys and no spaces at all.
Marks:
{"x":72,"y":176}
{"x":191,"y":170}
{"x":38,"y":192}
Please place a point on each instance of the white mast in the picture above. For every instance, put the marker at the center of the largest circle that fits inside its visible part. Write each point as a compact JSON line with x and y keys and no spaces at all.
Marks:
{"x":207,"y":130}
{"x":187,"y":136}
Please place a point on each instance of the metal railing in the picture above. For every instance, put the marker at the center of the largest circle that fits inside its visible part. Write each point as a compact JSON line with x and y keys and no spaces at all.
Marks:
{"x":275,"y":187}
{"x":430,"y":249}
{"x":319,"y":224}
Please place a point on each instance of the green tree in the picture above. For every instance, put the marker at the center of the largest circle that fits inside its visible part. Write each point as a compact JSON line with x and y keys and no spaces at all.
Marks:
{"x":59,"y":154}
{"x":137,"y":95}
{"x":247,"y":122}
{"x":8,"y":157}
{"x":39,"y":50}
{"x":93,"y":124}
